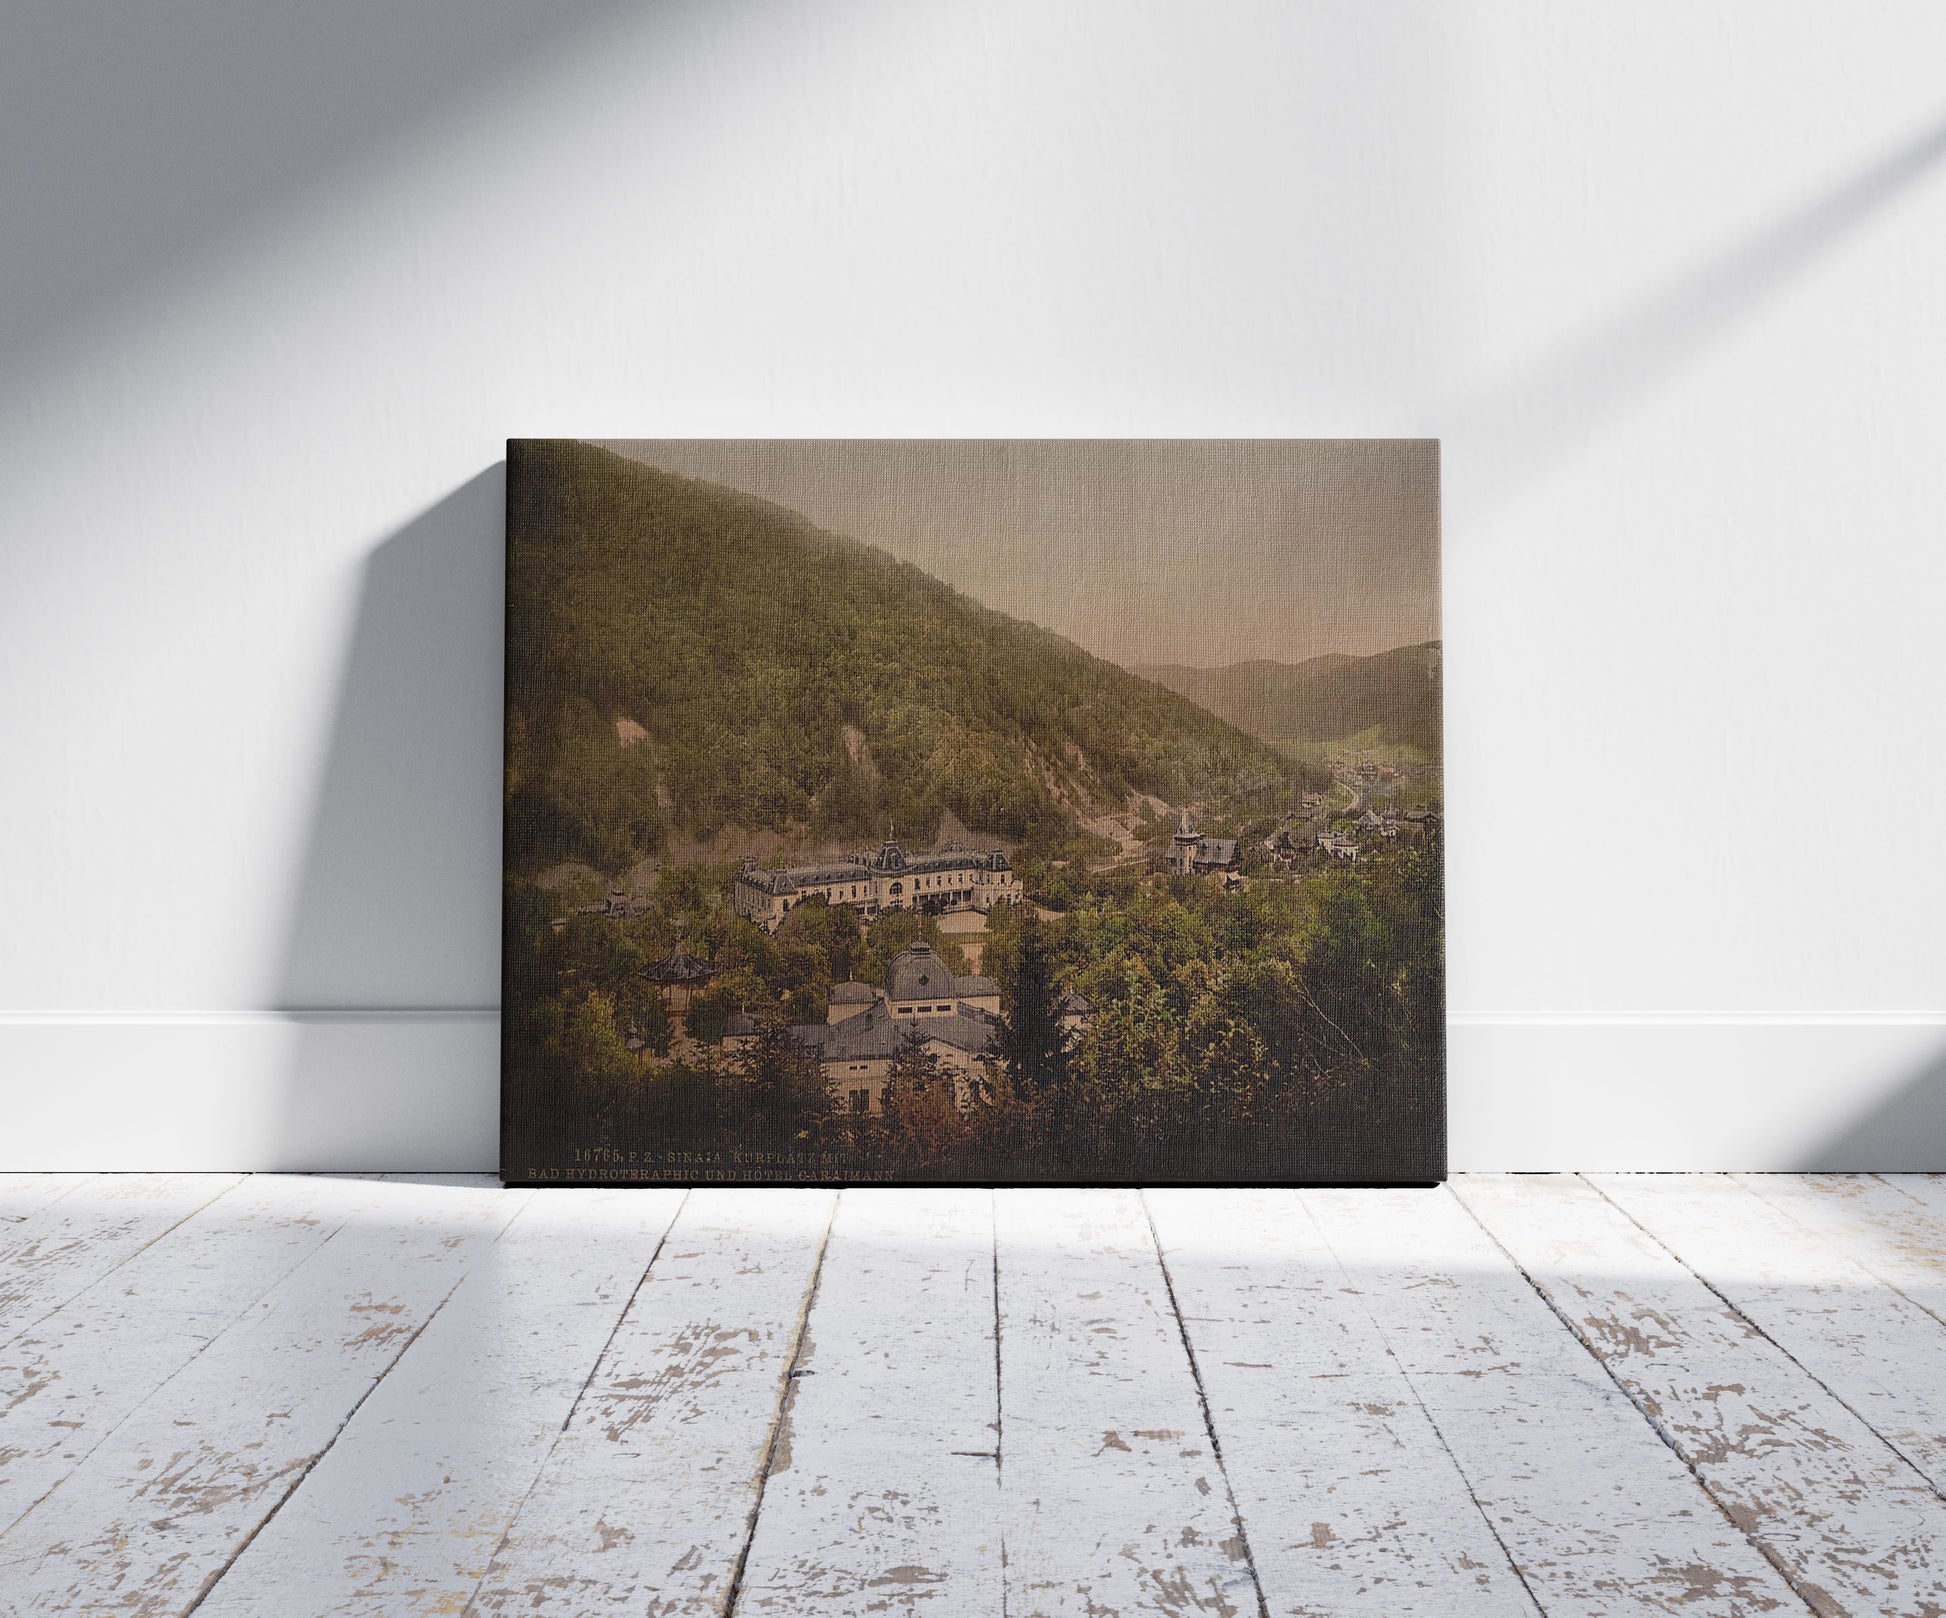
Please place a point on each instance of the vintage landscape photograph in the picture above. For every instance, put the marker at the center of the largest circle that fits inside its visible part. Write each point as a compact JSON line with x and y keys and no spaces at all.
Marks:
{"x":975,"y":811}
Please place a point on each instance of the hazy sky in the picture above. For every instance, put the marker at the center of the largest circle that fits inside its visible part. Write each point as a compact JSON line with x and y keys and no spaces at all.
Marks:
{"x":1200,"y":551}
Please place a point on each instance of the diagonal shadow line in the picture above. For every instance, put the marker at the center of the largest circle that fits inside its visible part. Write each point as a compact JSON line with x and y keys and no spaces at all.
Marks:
{"x":1905,"y":1131}
{"x":1542,"y":414}
{"x":136,"y":141}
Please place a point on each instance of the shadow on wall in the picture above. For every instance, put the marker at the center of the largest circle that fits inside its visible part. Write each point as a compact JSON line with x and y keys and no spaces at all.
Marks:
{"x":392,"y":960}
{"x":1905,"y":1133}
{"x":1552,"y":408}
{"x":171,"y":127}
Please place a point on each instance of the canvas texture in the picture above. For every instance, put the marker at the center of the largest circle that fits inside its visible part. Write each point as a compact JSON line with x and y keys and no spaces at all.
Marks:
{"x":981,"y":811}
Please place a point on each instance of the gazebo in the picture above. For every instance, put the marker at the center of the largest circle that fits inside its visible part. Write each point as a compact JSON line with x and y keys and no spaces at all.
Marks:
{"x":678,"y":975}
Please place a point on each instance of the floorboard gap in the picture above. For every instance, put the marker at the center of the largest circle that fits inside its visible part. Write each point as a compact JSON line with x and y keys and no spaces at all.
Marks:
{"x":580,"y":1393}
{"x":780,"y":1424}
{"x":1756,"y":1330}
{"x":59,"y":1304}
{"x":1202,"y":1400}
{"x":999,"y":1399}
{"x":1811,"y":1605}
{"x":1445,"y":1445}
{"x":209,"y":1343}
{"x":216,"y":1575}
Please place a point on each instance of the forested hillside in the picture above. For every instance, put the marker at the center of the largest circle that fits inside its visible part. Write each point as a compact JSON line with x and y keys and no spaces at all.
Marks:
{"x":682,"y":658}
{"x":1324,"y":698}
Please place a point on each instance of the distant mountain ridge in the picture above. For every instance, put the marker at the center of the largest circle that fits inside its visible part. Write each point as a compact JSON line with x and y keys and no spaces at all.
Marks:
{"x":1322,"y":698}
{"x":683,"y":658}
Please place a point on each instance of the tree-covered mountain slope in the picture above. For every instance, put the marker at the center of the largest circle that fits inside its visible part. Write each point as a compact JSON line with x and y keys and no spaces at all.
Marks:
{"x":1323,"y":698}
{"x":682,"y":658}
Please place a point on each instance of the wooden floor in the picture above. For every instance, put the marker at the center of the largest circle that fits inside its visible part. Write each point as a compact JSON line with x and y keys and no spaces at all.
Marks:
{"x":1584,"y":1395}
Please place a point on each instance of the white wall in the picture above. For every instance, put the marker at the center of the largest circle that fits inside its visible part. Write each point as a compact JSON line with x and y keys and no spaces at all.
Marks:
{"x":279,"y":281}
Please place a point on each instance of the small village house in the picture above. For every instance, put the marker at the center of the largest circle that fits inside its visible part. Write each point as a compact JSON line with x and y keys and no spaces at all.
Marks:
{"x":1192,"y":854}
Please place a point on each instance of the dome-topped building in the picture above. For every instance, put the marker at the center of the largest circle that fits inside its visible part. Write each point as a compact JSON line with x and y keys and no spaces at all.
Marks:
{"x":924,"y":1002}
{"x":918,"y":983}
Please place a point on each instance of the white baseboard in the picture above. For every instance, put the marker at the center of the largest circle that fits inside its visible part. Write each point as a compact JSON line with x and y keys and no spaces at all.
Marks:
{"x":251,"y":1090}
{"x":420,"y":1090}
{"x":1759,"y":1092}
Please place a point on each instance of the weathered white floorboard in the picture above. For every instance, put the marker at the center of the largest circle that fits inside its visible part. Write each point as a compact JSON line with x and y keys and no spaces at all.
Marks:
{"x":1599,"y":1516}
{"x":1857,"y":1529}
{"x":1928,"y":1189}
{"x":63,"y":1247}
{"x":884,"y":1492}
{"x":1112,"y":1499}
{"x":645,"y":1504}
{"x":69,"y":1380}
{"x":1894,"y":1224}
{"x":309,"y":1396}
{"x":155,"y":1513}
{"x":23,"y":1194}
{"x":1351,"y":1503}
{"x":1878,"y":1352}
{"x":404,"y":1512}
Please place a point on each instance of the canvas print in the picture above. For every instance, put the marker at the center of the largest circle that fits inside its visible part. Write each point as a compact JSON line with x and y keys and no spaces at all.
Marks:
{"x":984,"y":811}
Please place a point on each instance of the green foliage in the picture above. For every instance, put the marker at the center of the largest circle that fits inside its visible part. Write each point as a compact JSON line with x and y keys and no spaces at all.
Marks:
{"x":710,"y":1007}
{"x":923,"y":1125}
{"x":781,"y":1101}
{"x":652,"y":1023}
{"x":592,"y":1043}
{"x":578,"y":792}
{"x":1393,"y":698}
{"x":833,"y":931}
{"x":1232,"y":1034}
{"x":745,"y":643}
{"x":1033,"y":1045}
{"x":1252,"y":1028}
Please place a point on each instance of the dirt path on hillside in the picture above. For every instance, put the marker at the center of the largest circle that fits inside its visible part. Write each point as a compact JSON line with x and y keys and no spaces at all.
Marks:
{"x":1119,"y":829}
